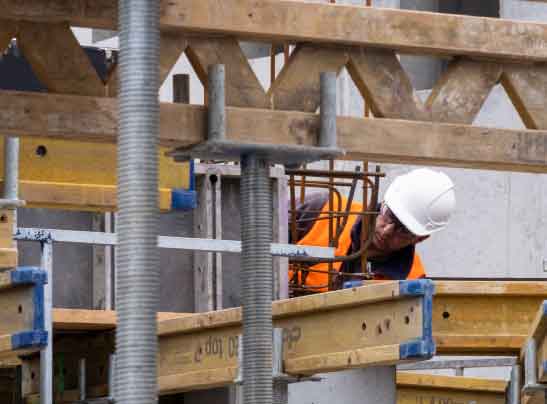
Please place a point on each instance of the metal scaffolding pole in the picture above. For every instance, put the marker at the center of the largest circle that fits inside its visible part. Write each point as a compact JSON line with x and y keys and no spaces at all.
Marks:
{"x":137,"y":259}
{"x":46,"y":354}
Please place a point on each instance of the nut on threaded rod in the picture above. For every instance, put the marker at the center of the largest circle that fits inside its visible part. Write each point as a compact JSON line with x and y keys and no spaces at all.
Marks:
{"x":216,"y":118}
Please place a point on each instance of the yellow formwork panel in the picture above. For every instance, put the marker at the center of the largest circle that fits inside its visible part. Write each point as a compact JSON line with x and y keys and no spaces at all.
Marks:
{"x":66,"y":174}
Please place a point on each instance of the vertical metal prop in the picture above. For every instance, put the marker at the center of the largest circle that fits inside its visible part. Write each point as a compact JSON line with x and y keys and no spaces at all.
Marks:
{"x":82,"y":379}
{"x":11,"y":172}
{"x":257,"y":279}
{"x":137,"y":259}
{"x":46,"y":354}
{"x":513,"y":392}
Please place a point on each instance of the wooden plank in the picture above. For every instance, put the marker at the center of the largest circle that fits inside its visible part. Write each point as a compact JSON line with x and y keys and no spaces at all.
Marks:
{"x":8,"y":258}
{"x":7,"y":217}
{"x":285,"y":20}
{"x":382,"y":140}
{"x":7,"y":32}
{"x":461,"y":91}
{"x":484,"y":317}
{"x":58,"y":60}
{"x":242,"y":86}
{"x":171,"y":48}
{"x":527,"y":88}
{"x":421,"y":388}
{"x":410,"y":379}
{"x":82,"y":197}
{"x":384,"y":84}
{"x":94,"y":320}
{"x":61,"y":161}
{"x":332,"y":331}
{"x":297,"y":87}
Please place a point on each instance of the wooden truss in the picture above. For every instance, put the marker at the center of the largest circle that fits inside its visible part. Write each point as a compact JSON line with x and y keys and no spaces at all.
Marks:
{"x":482,"y":52}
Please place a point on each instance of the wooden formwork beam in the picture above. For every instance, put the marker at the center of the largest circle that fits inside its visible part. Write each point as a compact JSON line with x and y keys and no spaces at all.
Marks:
{"x":484,"y":317}
{"x":415,"y":388}
{"x":278,"y":21}
{"x":382,"y":140}
{"x":387,"y":323}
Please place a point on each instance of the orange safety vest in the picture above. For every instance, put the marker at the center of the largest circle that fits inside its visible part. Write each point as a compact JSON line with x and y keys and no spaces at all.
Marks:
{"x":319,"y":236}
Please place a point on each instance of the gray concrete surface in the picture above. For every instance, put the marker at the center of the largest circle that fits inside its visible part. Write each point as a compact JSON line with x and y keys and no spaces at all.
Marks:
{"x":375,"y":385}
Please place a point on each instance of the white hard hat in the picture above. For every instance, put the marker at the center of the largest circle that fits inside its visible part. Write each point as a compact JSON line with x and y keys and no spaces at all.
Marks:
{"x":422,"y":200}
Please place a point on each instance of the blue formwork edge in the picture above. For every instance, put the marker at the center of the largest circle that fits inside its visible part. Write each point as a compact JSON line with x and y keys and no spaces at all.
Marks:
{"x":28,"y":275}
{"x":421,"y":348}
{"x":37,"y":278}
{"x":29,"y":339}
{"x":185,"y":199}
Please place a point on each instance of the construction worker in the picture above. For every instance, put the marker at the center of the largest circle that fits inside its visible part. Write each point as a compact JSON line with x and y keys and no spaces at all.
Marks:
{"x":416,"y":205}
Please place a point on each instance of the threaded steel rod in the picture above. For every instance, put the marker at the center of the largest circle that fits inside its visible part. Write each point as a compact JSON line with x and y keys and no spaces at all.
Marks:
{"x":257,"y":279}
{"x":137,"y":287}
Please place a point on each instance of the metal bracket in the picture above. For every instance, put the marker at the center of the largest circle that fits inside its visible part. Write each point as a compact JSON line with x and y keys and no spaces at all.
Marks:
{"x":11,"y":203}
{"x":217,"y":147}
{"x":530,"y":376}
{"x":277,"y":362}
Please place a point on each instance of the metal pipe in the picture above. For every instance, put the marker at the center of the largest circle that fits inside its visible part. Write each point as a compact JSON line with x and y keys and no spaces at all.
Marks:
{"x":513,"y":392}
{"x":334,"y":173}
{"x":257,"y":279}
{"x":280,"y":382}
{"x":11,"y":167}
{"x":137,"y":260}
{"x":11,"y":173}
{"x":166,"y":242}
{"x":216,"y":118}
{"x":327,"y":133}
{"x":82,"y":380}
{"x":46,"y":354}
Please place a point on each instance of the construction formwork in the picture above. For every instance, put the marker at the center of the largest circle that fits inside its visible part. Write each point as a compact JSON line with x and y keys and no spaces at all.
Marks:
{"x":280,"y":125}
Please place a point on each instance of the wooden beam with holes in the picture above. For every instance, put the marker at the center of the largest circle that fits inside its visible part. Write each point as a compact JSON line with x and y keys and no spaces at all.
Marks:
{"x":22,"y":327}
{"x":386,"y":323}
{"x":61,"y":174}
{"x":415,"y":388}
{"x":382,"y":140}
{"x":484,"y":317}
{"x":279,"y":21}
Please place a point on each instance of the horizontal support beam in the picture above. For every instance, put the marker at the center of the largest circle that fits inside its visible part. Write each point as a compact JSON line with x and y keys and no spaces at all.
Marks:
{"x":81,"y":197}
{"x":386,"y":323}
{"x":505,"y":311}
{"x":459,"y":363}
{"x":168,"y":242}
{"x":421,"y":388}
{"x":284,"y":20}
{"x":381,"y":140}
{"x":47,"y":160}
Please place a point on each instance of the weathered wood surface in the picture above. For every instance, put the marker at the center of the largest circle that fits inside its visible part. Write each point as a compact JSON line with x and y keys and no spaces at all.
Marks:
{"x":383,"y":140}
{"x":242,"y":86}
{"x":278,"y":21}
{"x":484,"y":317}
{"x":415,"y":388}
{"x":328,"y":332}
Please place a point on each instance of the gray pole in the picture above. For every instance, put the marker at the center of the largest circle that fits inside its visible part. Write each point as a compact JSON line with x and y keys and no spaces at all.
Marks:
{"x":11,"y":167}
{"x":11,"y":173}
{"x":137,"y":287}
{"x":46,"y":354}
{"x":256,"y":236}
{"x":327,"y":133}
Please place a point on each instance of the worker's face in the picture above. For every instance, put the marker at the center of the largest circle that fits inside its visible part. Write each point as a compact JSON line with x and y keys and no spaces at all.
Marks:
{"x":390,"y":234}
